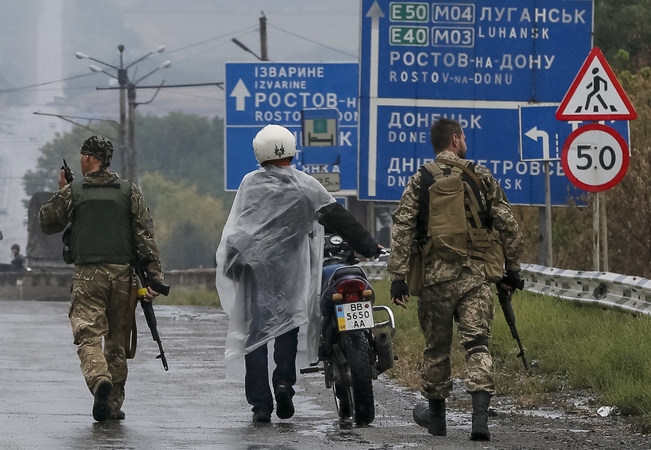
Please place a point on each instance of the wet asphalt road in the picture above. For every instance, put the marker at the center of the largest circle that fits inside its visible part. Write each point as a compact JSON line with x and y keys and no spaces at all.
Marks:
{"x":46,"y":405}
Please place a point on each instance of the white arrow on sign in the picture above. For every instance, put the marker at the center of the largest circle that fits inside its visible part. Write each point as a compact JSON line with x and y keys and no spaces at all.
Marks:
{"x":240,"y":92}
{"x":534,"y":134}
{"x":375,"y":13}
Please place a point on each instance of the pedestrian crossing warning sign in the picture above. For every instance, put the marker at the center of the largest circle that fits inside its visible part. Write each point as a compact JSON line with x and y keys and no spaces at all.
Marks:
{"x":595,"y":94}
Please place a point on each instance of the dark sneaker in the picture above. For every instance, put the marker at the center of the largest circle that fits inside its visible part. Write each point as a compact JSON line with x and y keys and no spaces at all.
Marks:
{"x":117,"y":415}
{"x":101,"y":408}
{"x":261,"y":417}
{"x":284,"y":404}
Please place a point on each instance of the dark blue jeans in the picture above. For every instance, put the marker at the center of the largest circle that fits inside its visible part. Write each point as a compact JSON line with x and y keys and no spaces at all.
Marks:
{"x":256,"y":380}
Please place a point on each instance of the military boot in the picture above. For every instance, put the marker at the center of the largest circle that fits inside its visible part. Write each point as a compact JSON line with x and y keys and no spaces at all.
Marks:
{"x":101,"y":409}
{"x":115,"y":402}
{"x":432,"y":417}
{"x":480,"y":402}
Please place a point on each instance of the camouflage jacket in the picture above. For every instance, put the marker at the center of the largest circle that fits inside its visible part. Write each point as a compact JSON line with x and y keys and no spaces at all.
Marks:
{"x":404,"y":229}
{"x":55,"y":215}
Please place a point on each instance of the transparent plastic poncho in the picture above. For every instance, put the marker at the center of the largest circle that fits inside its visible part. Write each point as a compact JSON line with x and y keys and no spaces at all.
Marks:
{"x":269,"y":264}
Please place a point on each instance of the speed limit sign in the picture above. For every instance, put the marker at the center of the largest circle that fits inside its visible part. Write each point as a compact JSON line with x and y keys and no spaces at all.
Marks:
{"x":595,"y":157}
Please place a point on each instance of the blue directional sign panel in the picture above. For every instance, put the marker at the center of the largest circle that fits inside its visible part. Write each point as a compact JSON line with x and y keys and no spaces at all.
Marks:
{"x":473,"y":61}
{"x":404,"y":150}
{"x":262,"y":93}
{"x":542,"y":136}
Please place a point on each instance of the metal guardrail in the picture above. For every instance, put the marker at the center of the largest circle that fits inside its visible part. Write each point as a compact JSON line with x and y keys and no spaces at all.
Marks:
{"x":375,"y":270}
{"x":605,"y":289}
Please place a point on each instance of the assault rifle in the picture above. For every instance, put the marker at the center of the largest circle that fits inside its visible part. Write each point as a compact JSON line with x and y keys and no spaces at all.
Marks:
{"x":148,"y":307}
{"x":67,"y":172}
{"x":505,"y":296}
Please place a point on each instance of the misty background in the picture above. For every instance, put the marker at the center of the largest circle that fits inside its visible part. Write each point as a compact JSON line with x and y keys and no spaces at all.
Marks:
{"x":40,"y":73}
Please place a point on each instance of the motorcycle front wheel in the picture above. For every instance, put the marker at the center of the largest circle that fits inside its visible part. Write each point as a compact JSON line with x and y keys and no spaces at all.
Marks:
{"x":356,"y":349}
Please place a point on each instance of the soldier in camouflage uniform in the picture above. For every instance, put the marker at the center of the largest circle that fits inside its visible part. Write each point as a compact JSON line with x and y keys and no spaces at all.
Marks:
{"x":454,"y":290}
{"x":110,"y":227}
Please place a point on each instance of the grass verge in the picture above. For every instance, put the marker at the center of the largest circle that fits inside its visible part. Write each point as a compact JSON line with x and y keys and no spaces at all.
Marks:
{"x":198,"y":297}
{"x":575,"y":347}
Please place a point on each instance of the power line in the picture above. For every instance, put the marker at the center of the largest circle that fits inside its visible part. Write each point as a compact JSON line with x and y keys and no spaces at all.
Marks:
{"x":247,"y":29}
{"x":23,"y":88}
{"x":28,"y":87}
{"x":183,"y":94}
{"x":209,"y":48}
{"x":313,"y":42}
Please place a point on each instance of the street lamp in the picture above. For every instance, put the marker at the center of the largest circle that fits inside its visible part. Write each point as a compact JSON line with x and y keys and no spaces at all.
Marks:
{"x":245,"y":48}
{"x":129,"y":162}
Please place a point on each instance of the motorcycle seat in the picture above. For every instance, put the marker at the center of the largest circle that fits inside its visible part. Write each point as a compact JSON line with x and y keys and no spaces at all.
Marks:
{"x":348,"y":271}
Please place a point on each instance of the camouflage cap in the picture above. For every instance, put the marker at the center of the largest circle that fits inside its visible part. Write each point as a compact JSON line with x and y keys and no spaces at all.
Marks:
{"x":99,"y":147}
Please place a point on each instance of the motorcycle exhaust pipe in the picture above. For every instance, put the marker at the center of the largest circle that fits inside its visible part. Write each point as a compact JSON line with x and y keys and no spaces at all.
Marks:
{"x":384,"y":352}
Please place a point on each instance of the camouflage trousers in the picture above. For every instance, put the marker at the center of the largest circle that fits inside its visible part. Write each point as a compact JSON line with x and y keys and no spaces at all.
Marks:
{"x":98,"y":310}
{"x":469,"y":301}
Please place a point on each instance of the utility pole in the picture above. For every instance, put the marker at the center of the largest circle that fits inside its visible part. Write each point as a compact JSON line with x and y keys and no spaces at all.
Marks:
{"x":263,"y":38}
{"x":263,"y":41}
{"x":133,"y":166}
{"x":122,"y":81}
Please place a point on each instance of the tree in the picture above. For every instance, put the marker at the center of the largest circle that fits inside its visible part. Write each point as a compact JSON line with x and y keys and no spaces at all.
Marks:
{"x":184,"y":148}
{"x":188,"y":225}
{"x":624,"y":25}
{"x":629,"y":215}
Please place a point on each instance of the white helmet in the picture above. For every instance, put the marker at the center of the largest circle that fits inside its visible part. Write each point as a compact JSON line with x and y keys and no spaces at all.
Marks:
{"x":274,"y":142}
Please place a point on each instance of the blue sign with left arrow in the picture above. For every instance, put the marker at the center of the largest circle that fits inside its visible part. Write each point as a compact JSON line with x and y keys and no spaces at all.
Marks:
{"x":542,"y":136}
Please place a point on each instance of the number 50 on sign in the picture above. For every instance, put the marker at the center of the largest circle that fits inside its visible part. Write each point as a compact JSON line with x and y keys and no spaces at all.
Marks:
{"x":595,"y":157}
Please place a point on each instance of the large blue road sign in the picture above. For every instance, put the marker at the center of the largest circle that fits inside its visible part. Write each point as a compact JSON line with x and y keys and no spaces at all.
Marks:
{"x":468,"y":60}
{"x":404,"y":149}
{"x":262,"y":93}
{"x":542,"y":136}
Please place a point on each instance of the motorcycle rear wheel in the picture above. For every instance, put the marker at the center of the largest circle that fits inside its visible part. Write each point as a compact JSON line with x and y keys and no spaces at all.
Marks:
{"x":356,"y":349}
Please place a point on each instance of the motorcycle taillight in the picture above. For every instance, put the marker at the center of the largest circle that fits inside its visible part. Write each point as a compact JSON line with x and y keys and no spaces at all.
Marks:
{"x":349,"y":290}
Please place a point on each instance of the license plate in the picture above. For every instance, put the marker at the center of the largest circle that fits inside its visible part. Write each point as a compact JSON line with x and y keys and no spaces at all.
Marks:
{"x":354,"y":316}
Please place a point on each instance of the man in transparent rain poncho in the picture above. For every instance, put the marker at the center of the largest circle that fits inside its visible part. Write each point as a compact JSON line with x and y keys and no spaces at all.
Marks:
{"x":269,"y":268}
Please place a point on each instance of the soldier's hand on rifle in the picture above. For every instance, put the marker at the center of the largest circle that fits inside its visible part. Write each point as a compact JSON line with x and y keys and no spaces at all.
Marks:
{"x":399,"y":293}
{"x":511,"y":281}
{"x":151,"y":294}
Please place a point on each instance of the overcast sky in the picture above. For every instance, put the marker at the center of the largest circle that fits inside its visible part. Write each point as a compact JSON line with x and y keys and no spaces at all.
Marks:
{"x":196,"y":33}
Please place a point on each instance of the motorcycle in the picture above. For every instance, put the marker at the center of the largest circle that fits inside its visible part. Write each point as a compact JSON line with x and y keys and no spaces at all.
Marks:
{"x":354,"y":348}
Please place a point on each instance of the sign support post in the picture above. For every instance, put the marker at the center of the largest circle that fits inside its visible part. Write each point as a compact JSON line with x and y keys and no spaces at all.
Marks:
{"x":548,"y":216}
{"x":596,"y":235}
{"x":603,"y":230}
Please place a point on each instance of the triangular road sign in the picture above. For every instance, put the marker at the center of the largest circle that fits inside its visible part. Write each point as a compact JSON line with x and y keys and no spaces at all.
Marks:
{"x":596,"y":94}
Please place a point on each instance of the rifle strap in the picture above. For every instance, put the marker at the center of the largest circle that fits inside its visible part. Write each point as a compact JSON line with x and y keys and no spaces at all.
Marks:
{"x":130,"y":327}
